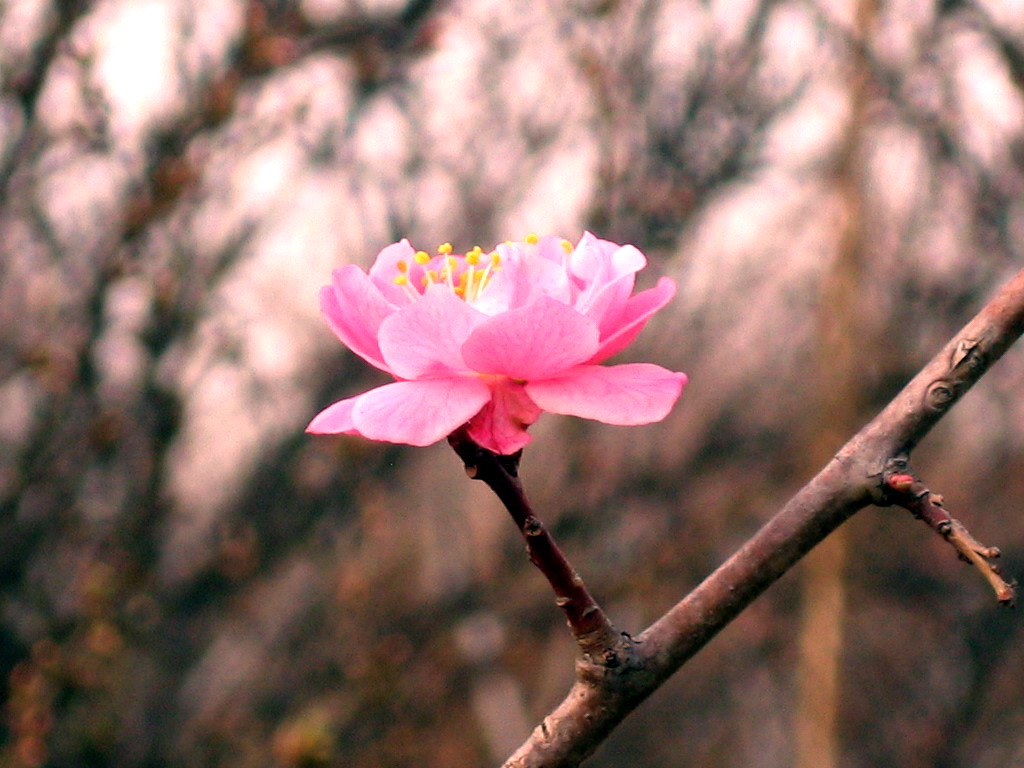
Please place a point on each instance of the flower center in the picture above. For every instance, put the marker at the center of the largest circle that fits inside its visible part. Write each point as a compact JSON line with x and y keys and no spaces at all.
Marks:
{"x":466,"y":275}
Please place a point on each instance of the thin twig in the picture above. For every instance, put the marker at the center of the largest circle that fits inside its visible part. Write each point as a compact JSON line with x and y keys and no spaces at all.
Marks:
{"x":598,"y":640}
{"x":911,"y":494}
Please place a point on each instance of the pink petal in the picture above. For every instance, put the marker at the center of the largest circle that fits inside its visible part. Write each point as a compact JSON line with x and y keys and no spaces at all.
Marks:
{"x":419,"y":412}
{"x":501,"y":424}
{"x":425,"y":338}
{"x":550,"y":247}
{"x":637,"y":393}
{"x":385,"y":270}
{"x":589,"y":259}
{"x":354,"y":309}
{"x":536,"y":341}
{"x":602,"y":260}
{"x":635,"y":313}
{"x":334,"y":419}
{"x":521,"y":278}
{"x":603,"y":302}
{"x":627,"y":259}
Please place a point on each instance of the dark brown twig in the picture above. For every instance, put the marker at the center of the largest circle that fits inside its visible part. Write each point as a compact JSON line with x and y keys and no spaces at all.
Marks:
{"x":598,"y":640}
{"x":911,"y":494}
{"x":853,"y":479}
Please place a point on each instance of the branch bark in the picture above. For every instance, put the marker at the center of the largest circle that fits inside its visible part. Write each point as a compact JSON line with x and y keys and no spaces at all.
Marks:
{"x":854,"y":478}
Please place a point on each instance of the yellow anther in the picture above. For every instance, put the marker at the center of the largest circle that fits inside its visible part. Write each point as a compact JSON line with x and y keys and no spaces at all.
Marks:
{"x":451,"y":262}
{"x":402,"y":266}
{"x":567,"y":246}
{"x":444,"y":248}
{"x":473,"y":258}
{"x":421,"y":257}
{"x":532,"y":238}
{"x":432,"y":275}
{"x":495,"y":259}
{"x":460,"y":290}
{"x":401,"y":280}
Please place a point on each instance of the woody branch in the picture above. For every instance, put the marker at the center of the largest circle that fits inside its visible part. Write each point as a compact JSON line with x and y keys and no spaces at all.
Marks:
{"x":857,"y":476}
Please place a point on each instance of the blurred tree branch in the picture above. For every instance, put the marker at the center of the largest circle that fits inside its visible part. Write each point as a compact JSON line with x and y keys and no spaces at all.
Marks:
{"x":27,"y":83}
{"x":859,"y":475}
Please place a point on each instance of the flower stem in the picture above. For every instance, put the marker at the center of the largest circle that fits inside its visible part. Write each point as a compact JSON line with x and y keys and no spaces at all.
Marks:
{"x":598,"y":640}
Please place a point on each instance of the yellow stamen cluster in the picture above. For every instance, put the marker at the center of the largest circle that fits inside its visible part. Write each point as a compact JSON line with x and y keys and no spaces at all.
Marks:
{"x":462,"y":274}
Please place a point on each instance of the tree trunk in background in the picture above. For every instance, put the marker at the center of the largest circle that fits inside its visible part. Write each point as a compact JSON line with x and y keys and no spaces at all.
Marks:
{"x":842,"y":339}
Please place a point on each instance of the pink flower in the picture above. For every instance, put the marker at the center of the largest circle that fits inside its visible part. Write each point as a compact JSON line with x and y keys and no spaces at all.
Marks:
{"x":490,"y":340}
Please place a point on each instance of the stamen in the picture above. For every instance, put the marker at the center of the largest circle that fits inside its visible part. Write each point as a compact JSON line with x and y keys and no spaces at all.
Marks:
{"x":403,"y":281}
{"x":402,"y":266}
{"x":448,"y":270}
{"x":485,"y":276}
{"x":567,"y":246}
{"x":532,"y":238}
{"x":421,"y":257}
{"x":444,"y":248}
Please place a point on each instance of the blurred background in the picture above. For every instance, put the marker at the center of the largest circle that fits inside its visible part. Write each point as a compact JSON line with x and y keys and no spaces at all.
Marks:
{"x":187,"y":579}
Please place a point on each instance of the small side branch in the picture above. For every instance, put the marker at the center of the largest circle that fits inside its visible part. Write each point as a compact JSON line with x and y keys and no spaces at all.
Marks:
{"x":911,"y":494}
{"x":597,"y":638}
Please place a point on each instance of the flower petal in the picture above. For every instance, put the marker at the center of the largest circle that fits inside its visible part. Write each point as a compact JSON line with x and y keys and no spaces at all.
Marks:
{"x":419,"y":412}
{"x":521,"y":278}
{"x":385,"y":270}
{"x":618,"y":333}
{"x":589,"y":260}
{"x":335,"y":419}
{"x":636,"y":393}
{"x":603,"y":302}
{"x":354,"y":309}
{"x":500,"y":426}
{"x":425,"y":338}
{"x":534,"y":342}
